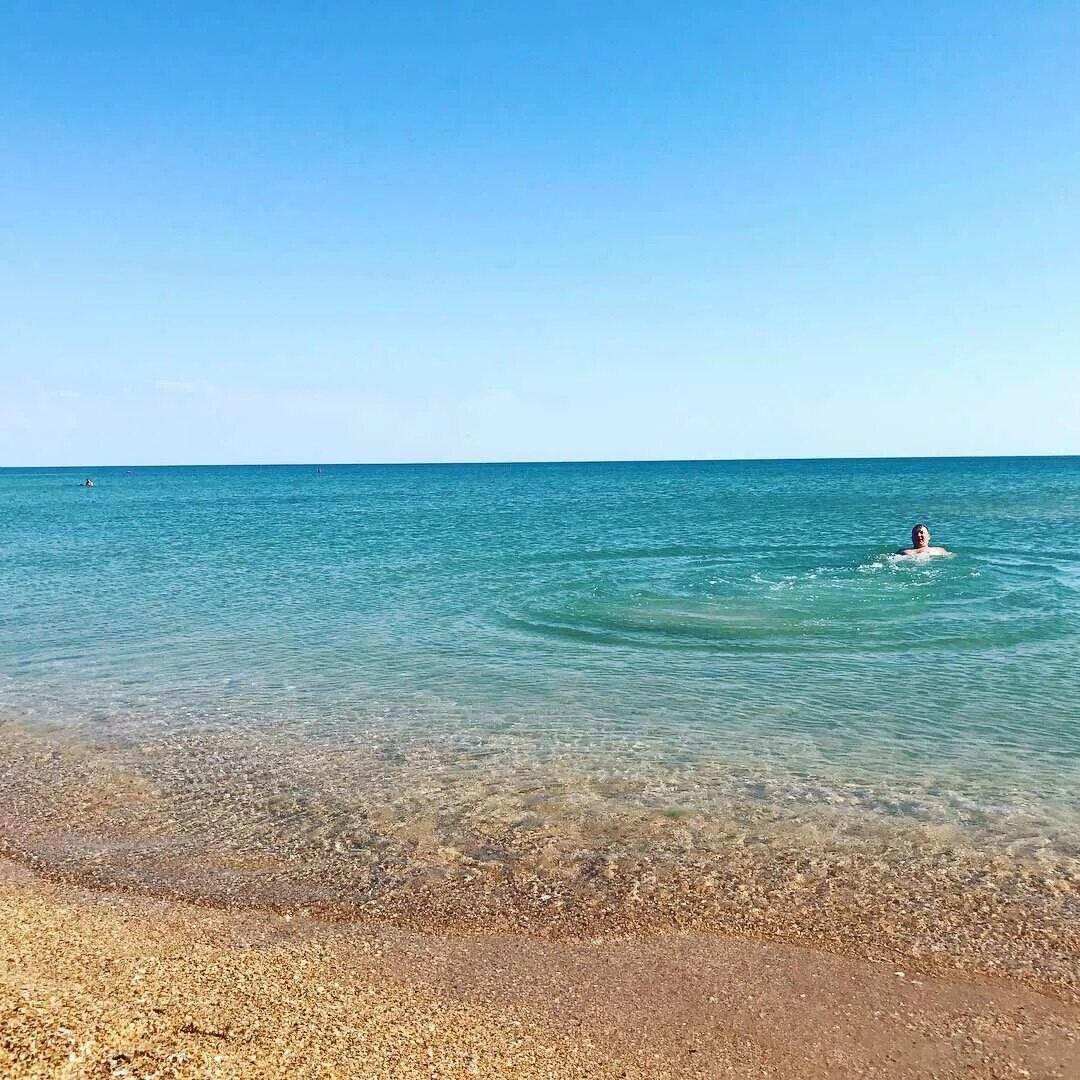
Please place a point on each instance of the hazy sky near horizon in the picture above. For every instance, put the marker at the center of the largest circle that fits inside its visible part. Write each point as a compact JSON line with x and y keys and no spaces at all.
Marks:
{"x":487,"y":231}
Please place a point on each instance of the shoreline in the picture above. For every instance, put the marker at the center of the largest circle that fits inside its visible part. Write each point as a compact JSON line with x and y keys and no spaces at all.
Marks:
{"x":100,"y":983}
{"x":906,"y":897}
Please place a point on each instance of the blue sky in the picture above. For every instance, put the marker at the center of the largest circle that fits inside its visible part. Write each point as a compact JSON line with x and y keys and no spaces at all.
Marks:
{"x":359,"y":232}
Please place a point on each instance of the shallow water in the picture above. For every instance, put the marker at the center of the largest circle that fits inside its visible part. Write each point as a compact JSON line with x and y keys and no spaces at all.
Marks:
{"x":270,"y":661}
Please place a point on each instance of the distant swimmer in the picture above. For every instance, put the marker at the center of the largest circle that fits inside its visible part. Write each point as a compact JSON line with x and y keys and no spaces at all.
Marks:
{"x":920,"y":543}
{"x":88,"y":482}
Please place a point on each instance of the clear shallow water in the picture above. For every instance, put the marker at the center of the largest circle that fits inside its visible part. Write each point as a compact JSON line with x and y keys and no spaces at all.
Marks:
{"x":454,"y":648}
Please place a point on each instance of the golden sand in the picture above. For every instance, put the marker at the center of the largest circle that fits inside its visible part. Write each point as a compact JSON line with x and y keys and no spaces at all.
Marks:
{"x":98,"y":984}
{"x":155,"y":930}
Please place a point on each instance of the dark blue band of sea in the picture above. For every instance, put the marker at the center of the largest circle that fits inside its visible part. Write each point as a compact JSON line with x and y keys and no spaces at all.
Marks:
{"x":569,"y":695}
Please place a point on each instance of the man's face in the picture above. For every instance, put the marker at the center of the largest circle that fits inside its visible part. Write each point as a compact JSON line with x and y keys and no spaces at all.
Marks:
{"x":920,"y":536}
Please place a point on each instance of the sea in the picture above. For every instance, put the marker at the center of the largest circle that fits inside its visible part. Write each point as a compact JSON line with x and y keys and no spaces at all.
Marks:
{"x":333,"y":682}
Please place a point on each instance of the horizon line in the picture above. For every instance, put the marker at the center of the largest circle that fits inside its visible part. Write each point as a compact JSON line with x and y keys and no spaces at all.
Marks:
{"x":545,"y":461}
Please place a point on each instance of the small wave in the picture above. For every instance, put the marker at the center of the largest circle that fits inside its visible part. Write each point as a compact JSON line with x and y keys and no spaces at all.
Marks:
{"x":885,"y":603}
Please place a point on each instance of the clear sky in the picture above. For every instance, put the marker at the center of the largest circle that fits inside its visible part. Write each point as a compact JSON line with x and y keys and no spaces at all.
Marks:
{"x":272,"y":231}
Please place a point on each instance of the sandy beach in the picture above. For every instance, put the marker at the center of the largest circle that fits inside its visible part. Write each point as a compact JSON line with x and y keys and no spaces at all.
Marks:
{"x":736,"y":959}
{"x":105,"y":984}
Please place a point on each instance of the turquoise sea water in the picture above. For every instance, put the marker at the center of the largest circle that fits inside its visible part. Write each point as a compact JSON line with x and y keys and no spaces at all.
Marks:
{"x":666,"y":637}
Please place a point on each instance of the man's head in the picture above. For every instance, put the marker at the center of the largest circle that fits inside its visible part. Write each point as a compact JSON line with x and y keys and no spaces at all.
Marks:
{"x":920,"y":536}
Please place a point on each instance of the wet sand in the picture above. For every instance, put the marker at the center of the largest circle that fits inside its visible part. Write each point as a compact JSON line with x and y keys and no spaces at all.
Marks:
{"x":106,"y":984}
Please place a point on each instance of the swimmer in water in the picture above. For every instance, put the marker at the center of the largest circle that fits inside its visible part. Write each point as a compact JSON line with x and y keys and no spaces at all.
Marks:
{"x":88,"y":482}
{"x":920,"y":543}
